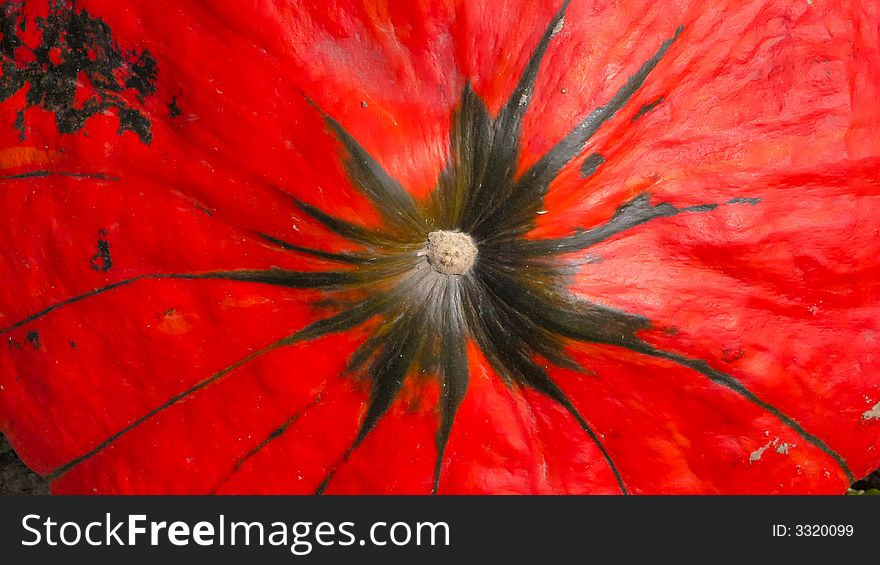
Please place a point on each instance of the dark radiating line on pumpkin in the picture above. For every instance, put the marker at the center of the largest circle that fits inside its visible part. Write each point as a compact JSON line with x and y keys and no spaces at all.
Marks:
{"x":393,"y":201}
{"x":365,"y":351}
{"x":460,"y":186}
{"x":72,"y":300}
{"x":167,"y":404}
{"x":738,"y":387}
{"x":510,"y":354}
{"x":503,"y":139}
{"x":637,"y":211}
{"x":387,"y":373}
{"x":273,"y":435}
{"x":541,"y":381}
{"x":330,"y":256}
{"x":275,"y":277}
{"x":396,"y":355}
{"x":69,"y":174}
{"x":343,"y":228}
{"x":534,"y":181}
{"x":511,"y":117}
{"x":571,"y":318}
{"x":453,"y":371}
{"x":507,"y":128}
{"x":332,"y":324}
{"x":281,"y":277}
{"x":361,"y":312}
{"x":535,"y":377}
{"x":509,"y":318}
{"x":475,"y":304}
{"x":599,"y":324}
{"x":751,"y":201}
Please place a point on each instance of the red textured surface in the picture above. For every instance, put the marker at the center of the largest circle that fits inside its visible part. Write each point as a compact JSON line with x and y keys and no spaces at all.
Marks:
{"x":769,"y":100}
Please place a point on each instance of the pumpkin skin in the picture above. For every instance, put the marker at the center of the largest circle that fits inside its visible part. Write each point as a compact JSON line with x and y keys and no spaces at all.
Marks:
{"x":722,"y":219}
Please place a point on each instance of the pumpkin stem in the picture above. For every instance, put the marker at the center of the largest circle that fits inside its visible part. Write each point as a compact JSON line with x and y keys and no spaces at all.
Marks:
{"x":451,"y":252}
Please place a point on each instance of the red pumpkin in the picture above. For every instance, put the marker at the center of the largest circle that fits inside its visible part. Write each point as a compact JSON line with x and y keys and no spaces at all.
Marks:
{"x":454,"y":247}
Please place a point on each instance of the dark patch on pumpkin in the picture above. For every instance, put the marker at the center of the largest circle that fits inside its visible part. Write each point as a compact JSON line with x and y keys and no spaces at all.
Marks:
{"x":513,"y":303}
{"x":700,"y":208}
{"x":202,"y":208}
{"x":77,"y":71}
{"x":101,"y":261}
{"x":19,"y":124}
{"x":729,"y":355}
{"x":33,"y":338}
{"x":647,"y":108}
{"x":73,"y":345}
{"x":752,"y":201}
{"x":591,"y":164}
{"x":173,"y":108}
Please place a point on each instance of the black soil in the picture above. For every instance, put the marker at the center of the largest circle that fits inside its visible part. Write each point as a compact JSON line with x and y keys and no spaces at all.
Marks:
{"x":15,"y":478}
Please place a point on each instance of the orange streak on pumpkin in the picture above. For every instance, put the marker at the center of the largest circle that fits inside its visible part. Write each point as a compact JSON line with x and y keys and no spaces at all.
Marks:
{"x":14,"y":157}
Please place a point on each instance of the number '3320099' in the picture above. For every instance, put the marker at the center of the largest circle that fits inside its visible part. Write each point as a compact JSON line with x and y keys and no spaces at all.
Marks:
{"x":823,"y":530}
